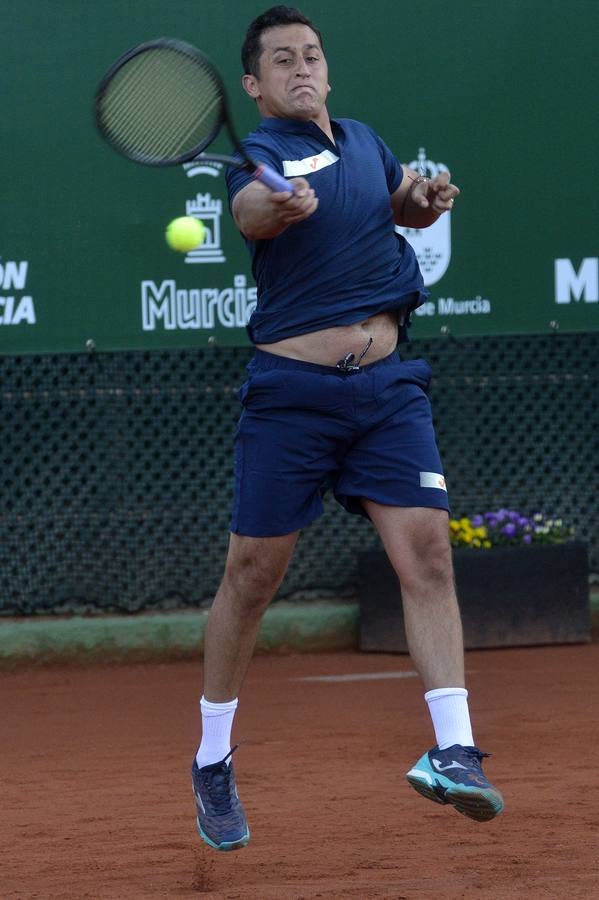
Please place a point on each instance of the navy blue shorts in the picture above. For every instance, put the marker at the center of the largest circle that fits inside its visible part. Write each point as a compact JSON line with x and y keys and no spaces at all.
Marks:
{"x":306,"y":428}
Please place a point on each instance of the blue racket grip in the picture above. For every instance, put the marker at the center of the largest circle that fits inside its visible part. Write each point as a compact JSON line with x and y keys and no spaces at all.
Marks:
{"x":272,"y":179}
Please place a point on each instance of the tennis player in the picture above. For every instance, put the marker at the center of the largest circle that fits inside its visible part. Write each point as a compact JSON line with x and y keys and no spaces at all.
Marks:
{"x":329,"y":404}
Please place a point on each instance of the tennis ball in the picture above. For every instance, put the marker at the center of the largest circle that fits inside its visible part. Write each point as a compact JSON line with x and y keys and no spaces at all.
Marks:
{"x":185,"y":233}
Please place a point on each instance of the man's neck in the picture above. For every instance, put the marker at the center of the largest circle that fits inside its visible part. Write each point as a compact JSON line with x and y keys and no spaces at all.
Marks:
{"x":322,"y":120}
{"x":324,"y":123}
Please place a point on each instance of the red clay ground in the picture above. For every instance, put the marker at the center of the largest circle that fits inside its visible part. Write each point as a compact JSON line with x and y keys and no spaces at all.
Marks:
{"x":96,"y":799}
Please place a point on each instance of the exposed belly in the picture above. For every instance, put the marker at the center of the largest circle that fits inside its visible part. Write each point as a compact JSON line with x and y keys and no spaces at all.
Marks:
{"x":329,"y":346}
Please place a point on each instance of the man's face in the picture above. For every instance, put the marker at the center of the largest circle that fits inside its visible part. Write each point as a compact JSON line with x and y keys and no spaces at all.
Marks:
{"x":293,"y":75}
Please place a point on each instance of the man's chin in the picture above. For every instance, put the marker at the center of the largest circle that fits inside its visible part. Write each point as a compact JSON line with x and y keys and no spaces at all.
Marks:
{"x":307,"y":108}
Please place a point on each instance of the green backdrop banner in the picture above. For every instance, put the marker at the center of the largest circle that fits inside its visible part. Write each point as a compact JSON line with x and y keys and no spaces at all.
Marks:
{"x":503,"y":95}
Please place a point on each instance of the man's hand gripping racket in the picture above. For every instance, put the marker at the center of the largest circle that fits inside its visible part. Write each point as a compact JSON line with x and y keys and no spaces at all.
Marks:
{"x":163,"y":102}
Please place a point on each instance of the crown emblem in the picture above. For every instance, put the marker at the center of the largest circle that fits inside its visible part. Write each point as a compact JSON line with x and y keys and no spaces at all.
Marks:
{"x":427,"y":167}
{"x":209,"y":210}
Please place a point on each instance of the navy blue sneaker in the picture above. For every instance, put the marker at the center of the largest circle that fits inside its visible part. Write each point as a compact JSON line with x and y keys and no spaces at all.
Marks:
{"x":455,"y":776}
{"x":221,"y":819}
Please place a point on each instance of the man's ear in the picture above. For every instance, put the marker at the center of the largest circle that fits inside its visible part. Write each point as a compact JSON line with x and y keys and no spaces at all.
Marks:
{"x":250,"y":86}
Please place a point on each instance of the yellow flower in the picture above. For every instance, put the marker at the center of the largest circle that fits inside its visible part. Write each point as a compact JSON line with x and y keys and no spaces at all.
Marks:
{"x":481,"y":531}
{"x":454,"y":525}
{"x":465,"y":523}
{"x":476,"y":542}
{"x":466,"y":537}
{"x":487,"y":545}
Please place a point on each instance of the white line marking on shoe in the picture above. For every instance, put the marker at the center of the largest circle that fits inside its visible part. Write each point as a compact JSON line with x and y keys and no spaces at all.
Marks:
{"x":452,"y":765}
{"x":424,"y":776}
{"x":199,"y":799}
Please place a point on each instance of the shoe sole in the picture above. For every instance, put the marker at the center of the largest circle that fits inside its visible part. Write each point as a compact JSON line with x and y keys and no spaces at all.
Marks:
{"x":224,"y":846}
{"x":480,"y":805}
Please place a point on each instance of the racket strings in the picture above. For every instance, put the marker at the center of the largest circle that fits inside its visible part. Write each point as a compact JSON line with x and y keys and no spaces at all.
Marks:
{"x":161,"y":104}
{"x":156,"y":93}
{"x":161,"y":116}
{"x":156,"y":96}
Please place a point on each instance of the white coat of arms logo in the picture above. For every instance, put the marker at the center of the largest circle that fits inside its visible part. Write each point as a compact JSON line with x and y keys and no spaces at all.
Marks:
{"x":432,"y":245}
{"x":209,"y":209}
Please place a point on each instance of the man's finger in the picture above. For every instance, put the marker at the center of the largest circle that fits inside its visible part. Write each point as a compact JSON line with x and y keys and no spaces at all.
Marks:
{"x":440,"y":181}
{"x":449,"y":193}
{"x":281,"y":196}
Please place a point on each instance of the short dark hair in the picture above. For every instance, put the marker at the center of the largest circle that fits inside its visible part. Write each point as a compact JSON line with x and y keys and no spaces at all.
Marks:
{"x":273,"y":17}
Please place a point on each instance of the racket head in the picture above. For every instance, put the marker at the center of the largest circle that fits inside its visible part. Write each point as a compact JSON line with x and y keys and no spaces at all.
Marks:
{"x":161,"y":103}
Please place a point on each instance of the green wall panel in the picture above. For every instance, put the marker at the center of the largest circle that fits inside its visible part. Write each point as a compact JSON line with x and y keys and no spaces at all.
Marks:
{"x":504,"y":95}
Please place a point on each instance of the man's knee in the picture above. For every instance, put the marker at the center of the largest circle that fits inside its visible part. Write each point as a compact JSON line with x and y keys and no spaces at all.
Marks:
{"x":255,"y":569}
{"x":252,"y":578}
{"x":427,"y":562}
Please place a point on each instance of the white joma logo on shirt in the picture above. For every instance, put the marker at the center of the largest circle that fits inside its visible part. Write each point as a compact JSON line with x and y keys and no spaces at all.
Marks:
{"x":293,"y":168}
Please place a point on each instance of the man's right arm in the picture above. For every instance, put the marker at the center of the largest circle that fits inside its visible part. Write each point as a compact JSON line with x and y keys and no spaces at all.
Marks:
{"x":260,"y":213}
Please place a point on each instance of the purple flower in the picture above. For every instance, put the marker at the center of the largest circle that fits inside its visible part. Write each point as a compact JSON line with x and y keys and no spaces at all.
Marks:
{"x":509,"y":527}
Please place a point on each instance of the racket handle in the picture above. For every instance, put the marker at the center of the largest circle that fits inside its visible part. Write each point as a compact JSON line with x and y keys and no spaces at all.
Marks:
{"x":272,"y":179}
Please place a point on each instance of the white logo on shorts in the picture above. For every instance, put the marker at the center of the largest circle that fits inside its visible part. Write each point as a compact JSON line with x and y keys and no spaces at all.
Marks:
{"x":433,"y":480}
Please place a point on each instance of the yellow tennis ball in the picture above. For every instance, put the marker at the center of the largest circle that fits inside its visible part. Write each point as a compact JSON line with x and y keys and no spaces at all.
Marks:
{"x":185,"y":233}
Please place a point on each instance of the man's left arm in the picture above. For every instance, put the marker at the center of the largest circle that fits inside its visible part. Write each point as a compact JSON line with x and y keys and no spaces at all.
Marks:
{"x":419,"y":201}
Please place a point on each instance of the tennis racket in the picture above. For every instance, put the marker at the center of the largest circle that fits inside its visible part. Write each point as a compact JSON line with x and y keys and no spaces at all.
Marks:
{"x":163,"y":102}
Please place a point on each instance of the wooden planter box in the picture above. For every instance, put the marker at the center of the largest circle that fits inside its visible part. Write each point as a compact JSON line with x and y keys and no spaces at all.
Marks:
{"x":509,"y":597}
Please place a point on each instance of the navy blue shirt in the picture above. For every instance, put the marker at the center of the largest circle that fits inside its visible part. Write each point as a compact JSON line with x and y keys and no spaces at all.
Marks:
{"x":345,"y":262}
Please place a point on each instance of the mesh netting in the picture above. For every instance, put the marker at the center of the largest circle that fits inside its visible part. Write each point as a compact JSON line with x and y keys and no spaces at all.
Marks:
{"x":116,"y":468}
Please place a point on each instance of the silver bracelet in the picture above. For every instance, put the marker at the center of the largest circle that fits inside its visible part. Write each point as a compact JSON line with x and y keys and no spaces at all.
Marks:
{"x":416,"y":181}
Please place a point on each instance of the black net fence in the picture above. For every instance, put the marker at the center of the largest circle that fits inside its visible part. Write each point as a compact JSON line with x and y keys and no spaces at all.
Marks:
{"x":116,"y":468}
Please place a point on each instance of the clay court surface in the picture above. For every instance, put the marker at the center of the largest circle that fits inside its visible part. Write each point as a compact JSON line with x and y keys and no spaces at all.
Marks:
{"x":96,"y":798}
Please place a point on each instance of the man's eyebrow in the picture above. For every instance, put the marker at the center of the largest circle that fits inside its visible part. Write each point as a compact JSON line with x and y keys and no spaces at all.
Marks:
{"x":290,"y":49}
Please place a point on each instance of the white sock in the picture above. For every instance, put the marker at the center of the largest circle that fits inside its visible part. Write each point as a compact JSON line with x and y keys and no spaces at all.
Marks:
{"x":217,"y":722}
{"x":451,"y":719}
